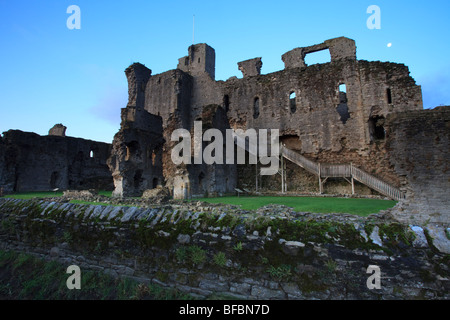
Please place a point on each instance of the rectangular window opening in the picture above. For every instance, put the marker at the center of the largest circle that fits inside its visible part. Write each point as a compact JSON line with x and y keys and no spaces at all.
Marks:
{"x":389,"y":95}
{"x":318,"y":57}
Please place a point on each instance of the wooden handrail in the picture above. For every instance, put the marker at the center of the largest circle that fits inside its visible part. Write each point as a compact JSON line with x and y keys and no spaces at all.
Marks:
{"x":300,"y":160}
{"x":343,"y":171}
{"x":334,"y":171}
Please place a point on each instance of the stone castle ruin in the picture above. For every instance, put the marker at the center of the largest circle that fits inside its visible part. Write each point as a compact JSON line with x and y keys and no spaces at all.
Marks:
{"x":30,"y":162}
{"x":315,"y":115}
{"x":347,"y":126}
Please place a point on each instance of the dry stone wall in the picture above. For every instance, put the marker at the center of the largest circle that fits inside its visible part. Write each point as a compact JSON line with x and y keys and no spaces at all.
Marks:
{"x":272,"y":253}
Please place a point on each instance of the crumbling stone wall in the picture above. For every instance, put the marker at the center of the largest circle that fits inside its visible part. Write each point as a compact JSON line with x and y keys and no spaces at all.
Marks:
{"x":320,"y":133}
{"x":339,"y":48}
{"x":273,"y":253}
{"x":136,"y":159}
{"x":30,"y":162}
{"x":58,"y":130}
{"x":170,"y":95}
{"x":419,"y":149}
{"x":307,"y":104}
{"x":7,"y":172}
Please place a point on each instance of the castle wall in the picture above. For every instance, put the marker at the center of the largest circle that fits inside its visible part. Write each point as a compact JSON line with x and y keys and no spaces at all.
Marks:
{"x":7,"y":170}
{"x":180,"y":99}
{"x":315,"y":127}
{"x":40,"y":163}
{"x":169,"y":94}
{"x":136,"y":157}
{"x":314,"y":118}
{"x":331,"y":113}
{"x":217,"y":179}
{"x":419,"y":149}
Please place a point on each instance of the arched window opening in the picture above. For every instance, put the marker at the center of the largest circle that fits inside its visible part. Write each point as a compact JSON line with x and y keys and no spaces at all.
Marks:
{"x":256,"y":108}
{"x":342,"y":107}
{"x":389,"y":96}
{"x":292,"y":102}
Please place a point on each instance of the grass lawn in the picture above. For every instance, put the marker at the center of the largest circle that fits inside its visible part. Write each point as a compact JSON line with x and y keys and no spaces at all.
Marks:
{"x":362,"y":207}
{"x":46,"y":194}
{"x":30,"y":195}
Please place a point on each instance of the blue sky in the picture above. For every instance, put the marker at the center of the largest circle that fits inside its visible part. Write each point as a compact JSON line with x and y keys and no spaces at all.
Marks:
{"x":50,"y":74}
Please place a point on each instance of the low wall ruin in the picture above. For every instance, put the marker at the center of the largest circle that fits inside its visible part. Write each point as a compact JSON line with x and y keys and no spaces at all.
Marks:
{"x":272,"y":253}
{"x":31,"y":162}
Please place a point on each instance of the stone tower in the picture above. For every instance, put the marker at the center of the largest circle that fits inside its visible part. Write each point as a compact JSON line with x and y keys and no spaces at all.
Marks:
{"x":201,"y":59}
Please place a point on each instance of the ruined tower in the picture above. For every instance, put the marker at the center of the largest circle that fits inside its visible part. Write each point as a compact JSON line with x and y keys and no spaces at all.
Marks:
{"x":201,"y":59}
{"x":136,"y":160}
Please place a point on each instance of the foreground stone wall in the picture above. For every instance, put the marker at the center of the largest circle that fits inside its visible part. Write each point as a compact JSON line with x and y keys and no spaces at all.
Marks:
{"x":273,"y":253}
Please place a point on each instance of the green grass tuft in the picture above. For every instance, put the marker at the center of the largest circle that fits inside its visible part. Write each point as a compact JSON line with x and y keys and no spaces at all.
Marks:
{"x":25,"y":277}
{"x":362,"y":207}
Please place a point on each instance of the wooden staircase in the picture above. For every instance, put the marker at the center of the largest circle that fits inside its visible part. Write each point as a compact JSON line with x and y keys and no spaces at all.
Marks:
{"x":325,"y":171}
{"x":346,"y":171}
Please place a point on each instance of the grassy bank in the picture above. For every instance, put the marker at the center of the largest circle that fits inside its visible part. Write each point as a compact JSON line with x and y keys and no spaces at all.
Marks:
{"x":362,"y":207}
{"x":25,"y":277}
{"x":46,"y":194}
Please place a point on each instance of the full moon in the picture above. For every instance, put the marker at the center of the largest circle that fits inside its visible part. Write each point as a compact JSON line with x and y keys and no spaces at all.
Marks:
{"x":389,"y":44}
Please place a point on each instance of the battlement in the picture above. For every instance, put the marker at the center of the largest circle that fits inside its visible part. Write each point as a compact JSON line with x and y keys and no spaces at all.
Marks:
{"x":340,"y":48}
{"x":251,"y":67}
{"x":201,"y":60}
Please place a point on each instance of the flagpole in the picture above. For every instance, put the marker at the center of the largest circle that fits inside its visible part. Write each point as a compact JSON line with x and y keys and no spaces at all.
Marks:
{"x":193,"y":28}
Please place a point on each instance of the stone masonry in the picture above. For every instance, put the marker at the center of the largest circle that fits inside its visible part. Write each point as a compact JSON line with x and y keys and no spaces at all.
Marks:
{"x":332,"y":113}
{"x":30,"y":162}
{"x":419,"y":150}
{"x":348,"y":111}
